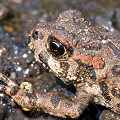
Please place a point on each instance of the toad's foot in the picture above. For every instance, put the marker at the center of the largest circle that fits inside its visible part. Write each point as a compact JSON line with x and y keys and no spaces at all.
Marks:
{"x":51,"y":102}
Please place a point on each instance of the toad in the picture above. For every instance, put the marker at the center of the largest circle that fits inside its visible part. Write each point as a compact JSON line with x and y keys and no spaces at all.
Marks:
{"x":79,"y":53}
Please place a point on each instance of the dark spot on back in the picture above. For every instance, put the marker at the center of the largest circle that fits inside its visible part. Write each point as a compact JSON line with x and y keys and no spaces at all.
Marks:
{"x":104,"y":89}
{"x":116,"y":70}
{"x":106,"y":96}
{"x":92,"y":74}
{"x":103,"y":86}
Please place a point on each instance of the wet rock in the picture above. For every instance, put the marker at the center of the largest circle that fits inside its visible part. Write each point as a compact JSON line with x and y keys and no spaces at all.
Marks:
{"x":3,"y":49}
{"x":8,"y":29}
{"x":108,"y":115}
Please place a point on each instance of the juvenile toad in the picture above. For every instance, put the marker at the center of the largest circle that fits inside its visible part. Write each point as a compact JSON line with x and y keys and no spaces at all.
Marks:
{"x":79,"y":53}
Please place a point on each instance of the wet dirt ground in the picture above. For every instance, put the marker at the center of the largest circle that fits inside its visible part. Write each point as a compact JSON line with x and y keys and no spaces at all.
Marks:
{"x":17,"y":18}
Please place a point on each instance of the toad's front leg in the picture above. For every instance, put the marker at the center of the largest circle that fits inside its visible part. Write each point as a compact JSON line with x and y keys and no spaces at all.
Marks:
{"x":51,"y":102}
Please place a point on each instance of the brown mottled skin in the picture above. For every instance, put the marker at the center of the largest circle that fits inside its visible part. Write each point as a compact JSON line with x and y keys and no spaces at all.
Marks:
{"x":79,"y":53}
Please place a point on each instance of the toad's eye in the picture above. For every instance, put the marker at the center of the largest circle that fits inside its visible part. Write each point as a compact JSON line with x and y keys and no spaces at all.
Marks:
{"x":56,"y":47}
{"x":35,"y":34}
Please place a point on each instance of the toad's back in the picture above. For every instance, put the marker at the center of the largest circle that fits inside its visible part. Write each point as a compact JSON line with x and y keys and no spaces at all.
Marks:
{"x":99,"y":48}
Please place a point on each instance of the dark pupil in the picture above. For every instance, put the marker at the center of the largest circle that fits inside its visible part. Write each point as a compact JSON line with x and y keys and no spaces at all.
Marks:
{"x":56,"y":47}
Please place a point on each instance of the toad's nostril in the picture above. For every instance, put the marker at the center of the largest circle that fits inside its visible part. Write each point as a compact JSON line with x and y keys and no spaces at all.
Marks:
{"x":36,"y":35}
